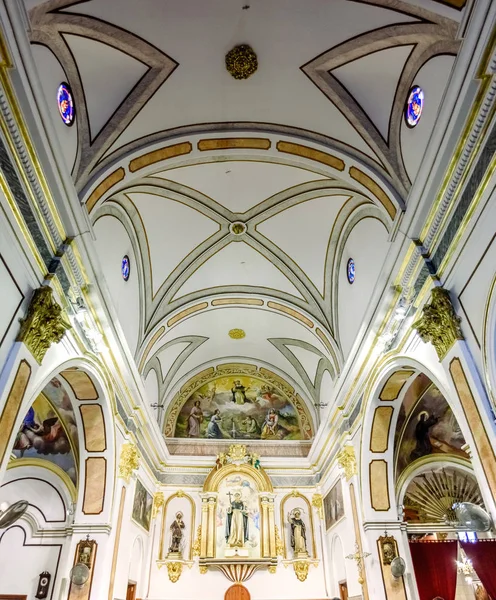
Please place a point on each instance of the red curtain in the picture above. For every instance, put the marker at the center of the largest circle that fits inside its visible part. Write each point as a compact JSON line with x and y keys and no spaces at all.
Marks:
{"x":435,"y":568}
{"x":483,"y":556}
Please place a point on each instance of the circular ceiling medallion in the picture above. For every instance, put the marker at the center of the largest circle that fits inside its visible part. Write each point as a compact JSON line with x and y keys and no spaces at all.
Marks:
{"x":65,"y":104}
{"x":125,"y":267}
{"x":237,"y":228}
{"x":237,"y":334}
{"x":414,"y":106}
{"x":350,"y":270}
{"x":241,"y":62}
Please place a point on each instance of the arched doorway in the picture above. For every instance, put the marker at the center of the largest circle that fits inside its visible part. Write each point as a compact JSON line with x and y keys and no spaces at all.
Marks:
{"x":237,"y":592}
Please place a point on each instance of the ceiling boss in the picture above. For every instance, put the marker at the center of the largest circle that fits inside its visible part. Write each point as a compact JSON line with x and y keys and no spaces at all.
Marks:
{"x":241,"y":61}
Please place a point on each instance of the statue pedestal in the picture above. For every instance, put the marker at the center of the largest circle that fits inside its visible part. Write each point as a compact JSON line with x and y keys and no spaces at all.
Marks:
{"x":233,"y":552}
{"x":300,"y":555}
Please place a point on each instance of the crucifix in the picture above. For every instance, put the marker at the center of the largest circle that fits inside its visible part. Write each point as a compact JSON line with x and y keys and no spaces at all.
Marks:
{"x":358,"y":558}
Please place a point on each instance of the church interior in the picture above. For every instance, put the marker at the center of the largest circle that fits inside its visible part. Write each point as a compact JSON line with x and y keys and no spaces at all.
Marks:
{"x":195,"y":403}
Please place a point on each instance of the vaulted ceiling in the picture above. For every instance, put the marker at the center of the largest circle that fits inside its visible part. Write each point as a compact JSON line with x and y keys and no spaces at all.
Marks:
{"x":239,"y":203}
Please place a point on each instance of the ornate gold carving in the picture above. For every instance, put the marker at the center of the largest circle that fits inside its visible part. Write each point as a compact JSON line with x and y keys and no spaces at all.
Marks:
{"x":279,"y":544}
{"x":347,"y":461}
{"x":295,"y":493}
{"x":237,"y":452}
{"x":180,"y":494}
{"x":158,"y":503}
{"x":439,"y":323}
{"x":238,"y":228}
{"x":318,"y":503}
{"x":129,"y":461}
{"x":44,"y":325}
{"x":388,"y":549}
{"x":203,"y":569}
{"x":237,"y":334}
{"x":272,"y":569}
{"x":174,"y":570}
{"x":241,"y":62}
{"x":197,"y":544}
{"x":301,"y":569}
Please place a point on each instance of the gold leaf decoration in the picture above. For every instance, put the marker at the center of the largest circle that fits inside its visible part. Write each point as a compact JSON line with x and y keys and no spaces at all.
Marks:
{"x":44,"y":325}
{"x":347,"y":461}
{"x":237,"y":334}
{"x":439,"y":324}
{"x":241,"y":62}
{"x":129,"y":461}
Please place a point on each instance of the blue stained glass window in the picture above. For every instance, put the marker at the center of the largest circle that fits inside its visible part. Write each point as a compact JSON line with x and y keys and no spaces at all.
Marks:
{"x":350,"y":270}
{"x":125,"y":268}
{"x":65,"y":103}
{"x":414,"y":106}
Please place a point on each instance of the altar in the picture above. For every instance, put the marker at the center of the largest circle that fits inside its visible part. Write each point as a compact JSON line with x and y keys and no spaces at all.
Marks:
{"x":237,"y":515}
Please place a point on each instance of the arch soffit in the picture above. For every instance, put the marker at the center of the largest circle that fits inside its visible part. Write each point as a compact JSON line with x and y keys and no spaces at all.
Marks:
{"x":216,"y":476}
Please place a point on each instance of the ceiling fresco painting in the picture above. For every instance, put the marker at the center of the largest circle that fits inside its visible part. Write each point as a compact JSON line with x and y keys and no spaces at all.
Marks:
{"x":238,"y":407}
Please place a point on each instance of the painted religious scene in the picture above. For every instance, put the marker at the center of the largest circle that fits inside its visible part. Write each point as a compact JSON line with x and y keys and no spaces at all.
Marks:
{"x":333,"y":505}
{"x":49,"y":431}
{"x":142,"y":506}
{"x":430,"y":428}
{"x":238,"y":407}
{"x":238,"y":518}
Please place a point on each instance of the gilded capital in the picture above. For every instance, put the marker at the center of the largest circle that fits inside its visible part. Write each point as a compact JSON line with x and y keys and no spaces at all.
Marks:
{"x":439,"y":324}
{"x":129,"y":461}
{"x":44,"y":325}
{"x":347,"y":461}
{"x":158,"y":503}
{"x":318,"y":503}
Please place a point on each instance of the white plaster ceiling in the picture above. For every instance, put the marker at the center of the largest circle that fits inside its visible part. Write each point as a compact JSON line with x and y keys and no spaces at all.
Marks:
{"x":331,"y":73}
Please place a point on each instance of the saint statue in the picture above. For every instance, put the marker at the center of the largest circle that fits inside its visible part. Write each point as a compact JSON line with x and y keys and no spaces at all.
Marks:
{"x":176,"y":531}
{"x":237,"y":522}
{"x":298,"y":532}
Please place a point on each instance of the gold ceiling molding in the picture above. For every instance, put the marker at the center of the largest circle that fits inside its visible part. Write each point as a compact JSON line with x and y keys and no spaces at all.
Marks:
{"x":44,"y":325}
{"x":230,"y":301}
{"x":291,"y":312}
{"x":185,"y":313}
{"x":154,"y":338}
{"x":375,"y":189}
{"x":234,"y":143}
{"x":165,"y":153}
{"x":312,"y":154}
{"x":231,"y":370}
{"x":439,"y":323}
{"x":393,"y":386}
{"x":103,"y":187}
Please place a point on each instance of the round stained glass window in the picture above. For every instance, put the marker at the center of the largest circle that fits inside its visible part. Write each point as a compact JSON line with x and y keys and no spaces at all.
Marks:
{"x":414,"y":106}
{"x":350,"y":270}
{"x":125,"y":268}
{"x":65,"y":103}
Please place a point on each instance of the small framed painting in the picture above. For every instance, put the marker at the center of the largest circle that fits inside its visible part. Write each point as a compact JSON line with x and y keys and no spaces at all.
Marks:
{"x":142,"y":506}
{"x":333,"y":505}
